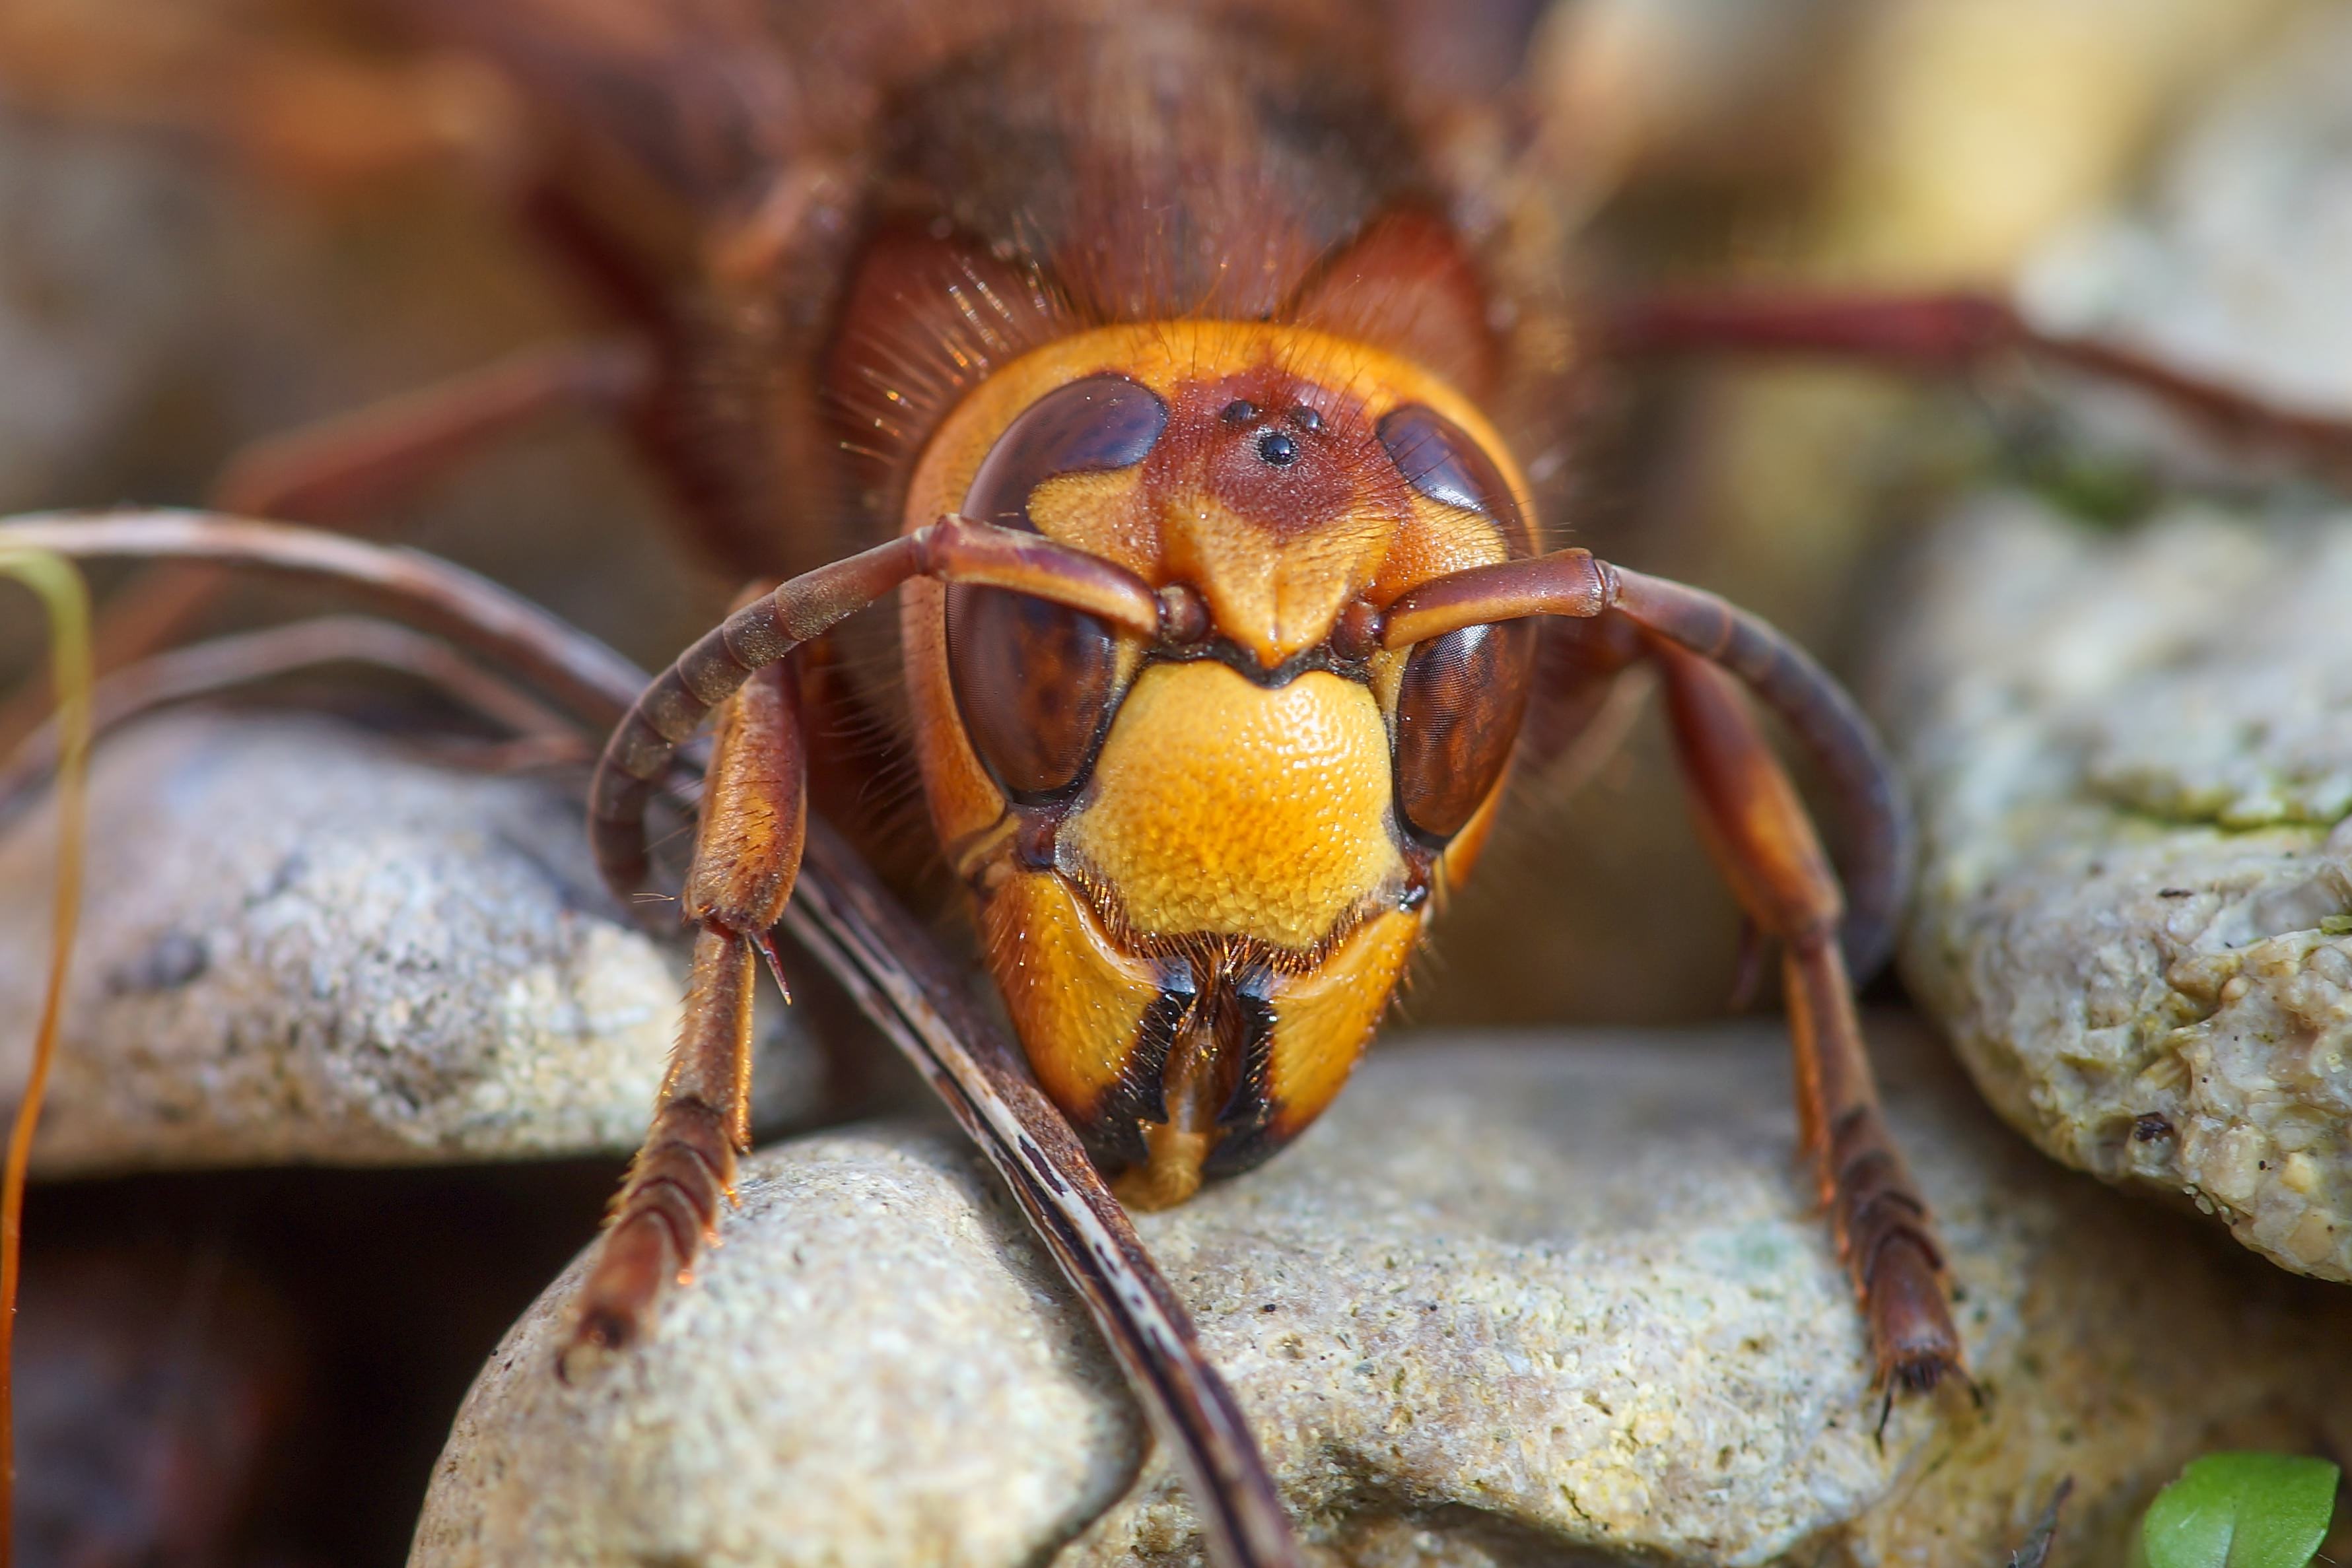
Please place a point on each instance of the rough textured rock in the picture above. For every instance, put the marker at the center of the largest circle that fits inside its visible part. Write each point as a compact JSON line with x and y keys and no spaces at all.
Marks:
{"x":302,"y":945}
{"x":2133,"y":752}
{"x":1543,"y":1300}
{"x":2131,"y":757}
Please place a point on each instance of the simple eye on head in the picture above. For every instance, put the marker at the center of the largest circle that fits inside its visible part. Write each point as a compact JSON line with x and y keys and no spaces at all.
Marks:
{"x":1033,"y":678}
{"x":1276,"y":447}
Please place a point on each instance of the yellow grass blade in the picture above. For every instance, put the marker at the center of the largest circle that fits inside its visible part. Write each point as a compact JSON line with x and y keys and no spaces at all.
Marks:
{"x":60,"y":589}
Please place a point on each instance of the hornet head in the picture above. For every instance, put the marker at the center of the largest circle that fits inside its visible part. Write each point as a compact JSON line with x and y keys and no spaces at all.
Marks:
{"x":1202,"y":861}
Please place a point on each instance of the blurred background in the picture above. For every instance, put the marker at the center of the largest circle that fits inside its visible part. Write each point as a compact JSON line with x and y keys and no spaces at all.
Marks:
{"x":181,"y":274}
{"x":178,"y":276}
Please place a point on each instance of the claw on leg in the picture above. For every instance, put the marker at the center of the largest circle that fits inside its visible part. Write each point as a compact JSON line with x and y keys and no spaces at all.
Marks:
{"x":668,"y":1208}
{"x":747,"y":852}
{"x":1883,"y":1233}
{"x":1757,"y":831}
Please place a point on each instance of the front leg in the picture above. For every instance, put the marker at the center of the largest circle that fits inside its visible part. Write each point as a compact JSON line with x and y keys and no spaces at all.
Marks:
{"x":747,"y":852}
{"x":1757,"y":831}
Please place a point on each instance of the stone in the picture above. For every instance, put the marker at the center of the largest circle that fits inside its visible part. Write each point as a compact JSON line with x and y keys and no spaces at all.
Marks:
{"x":2131,"y":757}
{"x":1517,"y":1298}
{"x":302,"y":945}
{"x":2133,"y":752}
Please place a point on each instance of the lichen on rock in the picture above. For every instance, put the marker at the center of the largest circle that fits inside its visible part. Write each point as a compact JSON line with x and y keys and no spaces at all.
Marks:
{"x":2132,"y":750}
{"x":2131,"y":756}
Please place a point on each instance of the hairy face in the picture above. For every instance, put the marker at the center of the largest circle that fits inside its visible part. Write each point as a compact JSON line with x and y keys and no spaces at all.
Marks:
{"x":1201,"y":862}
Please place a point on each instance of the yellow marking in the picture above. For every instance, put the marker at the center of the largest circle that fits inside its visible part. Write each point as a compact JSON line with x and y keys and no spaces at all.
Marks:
{"x":1274,"y":599}
{"x":964,"y":800}
{"x":1323,"y":1020}
{"x":1222,"y":807}
{"x":1102,"y":513}
{"x":1438,"y":539}
{"x":1077,"y":1001}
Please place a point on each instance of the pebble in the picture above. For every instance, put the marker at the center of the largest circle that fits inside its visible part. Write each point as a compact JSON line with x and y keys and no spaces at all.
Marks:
{"x":2132,"y":757}
{"x":2132,"y":746}
{"x":1517,"y":1298}
{"x":304,"y":944}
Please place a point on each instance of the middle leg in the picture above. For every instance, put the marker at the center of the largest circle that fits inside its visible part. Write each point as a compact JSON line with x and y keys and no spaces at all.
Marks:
{"x":1944,"y":333}
{"x":1757,"y":829}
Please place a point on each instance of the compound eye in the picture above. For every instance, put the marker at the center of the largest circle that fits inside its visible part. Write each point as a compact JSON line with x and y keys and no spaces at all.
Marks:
{"x":1440,"y":460}
{"x":1458,"y":712}
{"x":1034,"y":679}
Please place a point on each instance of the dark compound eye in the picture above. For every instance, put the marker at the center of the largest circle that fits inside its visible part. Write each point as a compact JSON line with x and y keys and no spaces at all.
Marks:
{"x":1462,"y":695}
{"x":1458,"y":712}
{"x":1086,"y":427}
{"x":1439,"y":459}
{"x":1032,"y":679}
{"x":1277,"y":449}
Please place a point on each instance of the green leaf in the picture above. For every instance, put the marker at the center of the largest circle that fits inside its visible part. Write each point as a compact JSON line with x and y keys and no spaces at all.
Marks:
{"x":2238,"y":1510}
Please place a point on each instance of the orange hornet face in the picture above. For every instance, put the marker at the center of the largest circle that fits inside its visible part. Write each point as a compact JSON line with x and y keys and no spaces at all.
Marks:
{"x":1203,"y":862}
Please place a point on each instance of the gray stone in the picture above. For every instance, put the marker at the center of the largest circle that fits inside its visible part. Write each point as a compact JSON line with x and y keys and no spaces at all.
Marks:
{"x":1530,"y":1300}
{"x":2133,"y":753}
{"x":302,"y":945}
{"x":2131,"y":757}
